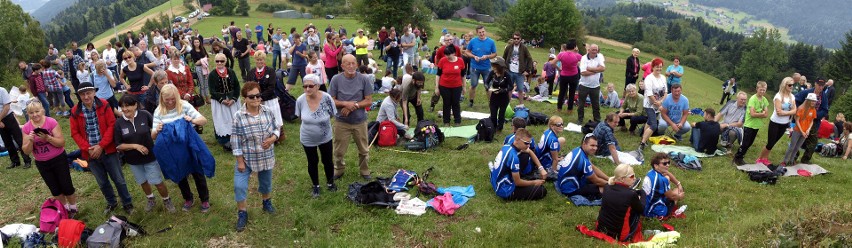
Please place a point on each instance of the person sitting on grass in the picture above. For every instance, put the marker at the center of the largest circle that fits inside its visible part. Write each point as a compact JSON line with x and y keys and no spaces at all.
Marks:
{"x":605,"y":134}
{"x":610,"y":97}
{"x":805,"y":115}
{"x":845,"y":143}
{"x":548,"y":147}
{"x":631,"y":110}
{"x":387,"y":112}
{"x":730,"y":119}
{"x":661,"y":196}
{"x":706,"y":133}
{"x":839,"y":120}
{"x":621,"y":206}
{"x":674,"y":112}
{"x":526,"y":163}
{"x":505,"y":171}
{"x":577,"y":175}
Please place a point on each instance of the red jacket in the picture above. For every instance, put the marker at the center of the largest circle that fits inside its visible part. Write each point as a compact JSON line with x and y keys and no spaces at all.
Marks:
{"x":106,"y":123}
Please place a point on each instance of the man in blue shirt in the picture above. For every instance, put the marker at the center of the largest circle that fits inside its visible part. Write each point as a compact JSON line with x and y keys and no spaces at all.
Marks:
{"x":576,"y":173}
{"x":300,"y":61}
{"x":505,"y":171}
{"x":608,"y":144}
{"x":822,"y":107}
{"x":276,"y":49}
{"x":673,"y":73}
{"x":258,"y":30}
{"x":480,"y":50}
{"x":674,"y":112}
{"x":660,"y":196}
{"x":526,"y":159}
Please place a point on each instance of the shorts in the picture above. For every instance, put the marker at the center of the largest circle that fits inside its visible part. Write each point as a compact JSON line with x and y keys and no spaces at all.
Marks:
{"x":149,"y":172}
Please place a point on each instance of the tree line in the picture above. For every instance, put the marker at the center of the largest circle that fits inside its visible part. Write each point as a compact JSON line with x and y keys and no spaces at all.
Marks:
{"x":88,"y":18}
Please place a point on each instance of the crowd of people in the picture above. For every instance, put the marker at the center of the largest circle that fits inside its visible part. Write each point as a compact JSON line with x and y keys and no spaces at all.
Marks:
{"x":164,"y":84}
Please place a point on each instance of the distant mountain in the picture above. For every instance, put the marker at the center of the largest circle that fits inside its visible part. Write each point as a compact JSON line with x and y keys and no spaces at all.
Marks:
{"x":30,"y":5}
{"x":46,"y":13}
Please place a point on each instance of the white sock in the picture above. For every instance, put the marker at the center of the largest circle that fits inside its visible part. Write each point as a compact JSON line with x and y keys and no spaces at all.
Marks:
{"x":151,"y":196}
{"x":166,"y":198}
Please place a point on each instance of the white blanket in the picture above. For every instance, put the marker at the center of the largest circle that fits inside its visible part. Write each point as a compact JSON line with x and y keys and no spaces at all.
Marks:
{"x":571,"y":127}
{"x":469,"y":115}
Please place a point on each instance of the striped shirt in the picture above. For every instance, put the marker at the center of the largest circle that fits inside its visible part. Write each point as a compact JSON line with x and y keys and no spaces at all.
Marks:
{"x":247,"y":138}
{"x":186,"y":109}
{"x":92,"y":131}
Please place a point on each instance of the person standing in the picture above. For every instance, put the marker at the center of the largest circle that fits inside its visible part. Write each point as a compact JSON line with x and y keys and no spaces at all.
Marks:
{"x":92,"y":127}
{"x":411,"y":89}
{"x":315,"y":108}
{"x":199,"y":57}
{"x":360,"y":43}
{"x":674,"y":73}
{"x":757,"y":110}
{"x":481,"y":50}
{"x":500,"y":92}
{"x":352,"y":92}
{"x":655,"y":93}
{"x":10,"y":131}
{"x":805,"y":116}
{"x":728,"y":88}
{"x":70,"y":68}
{"x":392,"y":52}
{"x":241,"y":51}
{"x":408,"y":43}
{"x":133,"y":138}
{"x":449,"y":83}
{"x":224,"y":89}
{"x":829,"y":91}
{"x":569,"y":75}
{"x":631,"y":71}
{"x":275,"y":39}
{"x":822,"y":108}
{"x":383,"y":34}
{"x":520,"y":64}
{"x":591,"y":68}
{"x":784,"y":104}
{"x":36,"y":84}
{"x":253,"y":140}
{"x":299,"y":53}
{"x":331,"y":49}
{"x":265,"y":77}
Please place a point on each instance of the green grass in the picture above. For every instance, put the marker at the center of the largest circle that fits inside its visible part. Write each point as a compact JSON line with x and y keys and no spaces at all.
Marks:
{"x":725,"y":208}
{"x":162,"y":9}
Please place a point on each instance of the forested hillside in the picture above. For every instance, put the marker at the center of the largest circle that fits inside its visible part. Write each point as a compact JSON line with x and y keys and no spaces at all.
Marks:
{"x":88,"y":18}
{"x":50,"y":9}
{"x":818,"y":22}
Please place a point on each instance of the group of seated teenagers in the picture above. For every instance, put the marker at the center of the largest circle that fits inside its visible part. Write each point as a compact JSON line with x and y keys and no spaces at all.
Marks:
{"x":518,"y":173}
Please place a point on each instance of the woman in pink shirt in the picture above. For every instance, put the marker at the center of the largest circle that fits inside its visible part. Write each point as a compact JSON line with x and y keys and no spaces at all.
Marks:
{"x":43,"y":139}
{"x":331,"y":49}
{"x":569,"y":75}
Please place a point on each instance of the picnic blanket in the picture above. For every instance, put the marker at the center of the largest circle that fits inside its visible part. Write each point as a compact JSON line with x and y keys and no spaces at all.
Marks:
{"x":469,"y":115}
{"x":685,"y":150}
{"x":573,"y":127}
{"x":625,"y":158}
{"x":791,"y":170}
{"x":466,"y":132}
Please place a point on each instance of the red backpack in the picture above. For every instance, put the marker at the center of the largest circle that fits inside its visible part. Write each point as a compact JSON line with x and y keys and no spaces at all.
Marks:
{"x":52,"y":212}
{"x":387,"y":134}
{"x":69,"y":232}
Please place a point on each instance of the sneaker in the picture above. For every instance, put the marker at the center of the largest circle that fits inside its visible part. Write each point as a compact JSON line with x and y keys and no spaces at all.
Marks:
{"x":187,"y":205}
{"x":738,"y":161}
{"x":72,"y":212}
{"x":762,"y":161}
{"x":315,"y":191}
{"x":267,"y":206}
{"x":169,"y":206}
{"x":332,"y":187}
{"x":128,"y":208}
{"x":205,"y":206}
{"x":110,"y":208}
{"x":150,"y":205}
{"x":642,"y":146}
{"x":27,"y":165}
{"x":242,"y":220}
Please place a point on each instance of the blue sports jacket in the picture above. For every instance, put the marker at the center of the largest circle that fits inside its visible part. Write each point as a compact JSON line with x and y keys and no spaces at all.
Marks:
{"x":180,"y":151}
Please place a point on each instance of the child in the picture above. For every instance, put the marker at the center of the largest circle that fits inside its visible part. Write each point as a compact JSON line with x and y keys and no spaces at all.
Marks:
{"x":542,"y":88}
{"x":804,"y":122}
{"x":22,"y":101}
{"x":317,"y":67}
{"x":610,"y":98}
{"x":83,"y":74}
{"x":66,"y":91}
{"x":387,"y":82}
{"x":364,"y":70}
{"x":756,"y":114}
{"x":705,"y":134}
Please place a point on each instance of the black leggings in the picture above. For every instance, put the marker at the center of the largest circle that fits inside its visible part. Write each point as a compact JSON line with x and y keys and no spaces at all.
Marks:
{"x":528,"y":193}
{"x":497,"y":104}
{"x":451,"y":97}
{"x":200,"y":185}
{"x":56,"y":175}
{"x":634,"y":121}
{"x":245,"y":67}
{"x":568,"y":83}
{"x":774,"y":134}
{"x":749,"y":135}
{"x":10,"y":133}
{"x":418,"y":109}
{"x":550,"y":85}
{"x":313,"y":161}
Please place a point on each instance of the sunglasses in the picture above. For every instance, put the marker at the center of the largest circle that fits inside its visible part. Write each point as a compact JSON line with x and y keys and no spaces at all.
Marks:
{"x":253,"y":97}
{"x":528,"y":142}
{"x":309,"y":86}
{"x":559,"y":124}
{"x":790,"y":85}
{"x":220,"y":61}
{"x":632,"y":176}
{"x":666,"y":163}
{"x":126,"y":58}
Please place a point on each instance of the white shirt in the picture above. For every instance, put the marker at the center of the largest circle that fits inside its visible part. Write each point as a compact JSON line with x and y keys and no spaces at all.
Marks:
{"x":594,"y":80}
{"x":787,"y":104}
{"x":654,"y":86}
{"x":110,"y":57}
{"x":285,"y":47}
{"x":158,"y":41}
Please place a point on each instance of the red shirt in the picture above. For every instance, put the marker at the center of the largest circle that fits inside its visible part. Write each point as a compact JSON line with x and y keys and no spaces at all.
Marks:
{"x":451,"y":72}
{"x":439,"y":54}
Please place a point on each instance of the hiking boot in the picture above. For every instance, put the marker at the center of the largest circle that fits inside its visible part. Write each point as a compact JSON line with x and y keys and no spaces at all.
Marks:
{"x":12,"y":166}
{"x":110,"y":208}
{"x":242,"y":220}
{"x":128,"y":208}
{"x":150,"y":205}
{"x":27,"y":165}
{"x":267,"y":206}
{"x":738,"y":161}
{"x":187,"y":205}
{"x":332,"y":187}
{"x":169,"y":205}
{"x":315,"y":190}
{"x":205,"y":206}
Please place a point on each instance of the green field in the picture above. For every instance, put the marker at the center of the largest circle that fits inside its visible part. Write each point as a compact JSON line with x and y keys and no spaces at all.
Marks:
{"x":725,"y":208}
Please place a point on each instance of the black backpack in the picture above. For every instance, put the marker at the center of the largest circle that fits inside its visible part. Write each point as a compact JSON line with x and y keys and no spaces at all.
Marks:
{"x":287,"y":103}
{"x":425,"y":130}
{"x":589,"y":127}
{"x":485,"y":130}
{"x":538,"y":118}
{"x":767,"y":177}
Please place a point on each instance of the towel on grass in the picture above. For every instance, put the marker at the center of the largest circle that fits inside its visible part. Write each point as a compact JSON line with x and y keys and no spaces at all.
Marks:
{"x":466,"y":132}
{"x":685,"y":150}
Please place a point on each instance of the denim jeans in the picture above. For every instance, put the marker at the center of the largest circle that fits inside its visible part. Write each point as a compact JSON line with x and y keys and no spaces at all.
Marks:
{"x":476,"y":74}
{"x":42,"y":97}
{"x":695,"y":138}
{"x":108,"y":168}
{"x":661,"y":128}
{"x":67,"y":97}
{"x":518,"y":78}
{"x":241,"y":182}
{"x":276,"y":56}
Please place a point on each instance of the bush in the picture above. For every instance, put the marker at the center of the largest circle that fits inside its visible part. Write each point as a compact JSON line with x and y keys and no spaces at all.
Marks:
{"x":272,"y":7}
{"x":842,"y":104}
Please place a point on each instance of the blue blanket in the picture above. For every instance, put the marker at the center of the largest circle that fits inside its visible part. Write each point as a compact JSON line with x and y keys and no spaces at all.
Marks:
{"x":180,"y":151}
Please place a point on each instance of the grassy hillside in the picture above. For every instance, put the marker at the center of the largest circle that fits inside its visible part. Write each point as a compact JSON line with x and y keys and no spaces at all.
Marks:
{"x":725,"y":208}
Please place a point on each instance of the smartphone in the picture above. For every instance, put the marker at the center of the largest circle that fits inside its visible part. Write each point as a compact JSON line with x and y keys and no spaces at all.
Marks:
{"x":41,"y":131}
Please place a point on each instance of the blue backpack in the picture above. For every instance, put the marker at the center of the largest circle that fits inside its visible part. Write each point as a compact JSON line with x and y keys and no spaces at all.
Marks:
{"x":523,"y":113}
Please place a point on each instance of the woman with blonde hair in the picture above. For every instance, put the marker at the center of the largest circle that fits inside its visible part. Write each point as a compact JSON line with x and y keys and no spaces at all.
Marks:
{"x":621,"y":206}
{"x":171,"y":109}
{"x":785,"y":109}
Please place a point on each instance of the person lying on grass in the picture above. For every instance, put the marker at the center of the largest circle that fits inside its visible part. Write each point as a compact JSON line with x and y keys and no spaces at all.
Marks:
{"x":661,"y":196}
{"x":505,"y":171}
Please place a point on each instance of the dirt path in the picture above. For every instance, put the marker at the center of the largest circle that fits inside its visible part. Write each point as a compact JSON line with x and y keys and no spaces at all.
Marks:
{"x":137,"y":25}
{"x":608,"y":42}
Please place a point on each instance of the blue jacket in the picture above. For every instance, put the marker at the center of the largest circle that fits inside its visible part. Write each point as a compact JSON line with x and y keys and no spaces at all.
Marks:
{"x":180,"y":151}
{"x":822,"y":109}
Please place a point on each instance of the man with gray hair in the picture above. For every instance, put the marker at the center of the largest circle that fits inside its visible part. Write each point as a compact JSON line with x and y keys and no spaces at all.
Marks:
{"x":591,"y":69}
{"x":731,"y":119}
